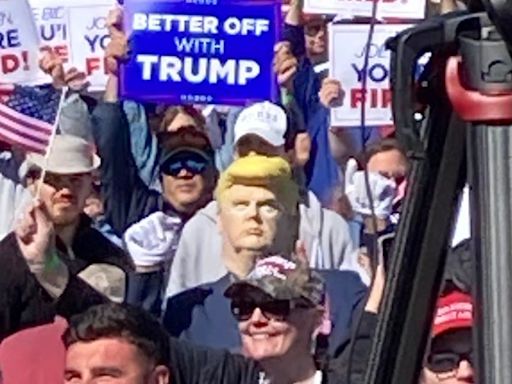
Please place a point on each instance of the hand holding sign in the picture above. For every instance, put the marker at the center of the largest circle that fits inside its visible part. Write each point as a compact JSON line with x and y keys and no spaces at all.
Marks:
{"x":117,"y":49}
{"x":331,"y":94}
{"x":51,"y":64}
{"x":285,"y":64}
{"x":216,"y":51}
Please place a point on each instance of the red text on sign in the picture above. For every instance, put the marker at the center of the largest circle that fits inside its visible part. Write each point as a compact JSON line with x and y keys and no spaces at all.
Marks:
{"x":375,"y":98}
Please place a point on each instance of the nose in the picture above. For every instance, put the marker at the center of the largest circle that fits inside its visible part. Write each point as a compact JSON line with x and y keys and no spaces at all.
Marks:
{"x":465,"y":371}
{"x":184,"y":174}
{"x":257,"y":319}
{"x":252,"y":211}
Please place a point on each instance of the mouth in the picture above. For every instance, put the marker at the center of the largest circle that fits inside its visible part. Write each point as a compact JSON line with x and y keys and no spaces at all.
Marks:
{"x":64,"y":201}
{"x":261,"y":336}
{"x":255,"y":232}
{"x":185,"y":187}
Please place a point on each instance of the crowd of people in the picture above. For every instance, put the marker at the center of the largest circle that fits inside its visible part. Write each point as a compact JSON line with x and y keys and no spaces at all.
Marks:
{"x":160,"y":244}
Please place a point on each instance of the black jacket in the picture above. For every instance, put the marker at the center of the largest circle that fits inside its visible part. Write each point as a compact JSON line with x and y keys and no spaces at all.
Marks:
{"x":217,"y":367}
{"x":128,"y":198}
{"x":24,"y":302}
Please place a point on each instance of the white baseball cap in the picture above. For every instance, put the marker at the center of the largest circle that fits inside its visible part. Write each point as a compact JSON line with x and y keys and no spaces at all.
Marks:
{"x":265,"y":120}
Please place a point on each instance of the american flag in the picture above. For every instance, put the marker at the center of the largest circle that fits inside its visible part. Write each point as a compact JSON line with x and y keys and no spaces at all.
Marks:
{"x":27,"y":115}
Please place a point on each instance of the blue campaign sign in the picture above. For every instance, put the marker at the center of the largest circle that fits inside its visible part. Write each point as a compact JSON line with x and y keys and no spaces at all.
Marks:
{"x":200,"y":51}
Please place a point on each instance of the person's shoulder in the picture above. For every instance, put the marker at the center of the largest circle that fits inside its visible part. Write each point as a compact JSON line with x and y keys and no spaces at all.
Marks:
{"x":205,"y":216}
{"x":11,"y":258}
{"x":198,"y":295}
{"x":181,"y":308}
{"x":95,"y":248}
{"x":342,"y":280}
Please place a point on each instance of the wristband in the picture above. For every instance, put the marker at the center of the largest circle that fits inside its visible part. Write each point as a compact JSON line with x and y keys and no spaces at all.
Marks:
{"x":286,"y":97}
{"x":52,"y":262}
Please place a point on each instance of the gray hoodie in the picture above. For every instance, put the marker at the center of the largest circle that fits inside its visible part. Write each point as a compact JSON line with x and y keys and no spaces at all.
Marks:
{"x":198,"y":259}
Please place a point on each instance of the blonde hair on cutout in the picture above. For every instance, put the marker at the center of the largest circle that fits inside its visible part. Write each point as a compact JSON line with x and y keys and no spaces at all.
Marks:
{"x":273,"y":173}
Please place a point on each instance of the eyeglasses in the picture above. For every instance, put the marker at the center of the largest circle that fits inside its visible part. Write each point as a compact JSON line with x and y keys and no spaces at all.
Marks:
{"x":191,"y":162}
{"x":448,"y":361}
{"x":277,"y":310}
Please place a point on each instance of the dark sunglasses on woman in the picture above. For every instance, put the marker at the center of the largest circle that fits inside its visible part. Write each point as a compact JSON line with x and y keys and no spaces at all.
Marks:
{"x":277,"y":310}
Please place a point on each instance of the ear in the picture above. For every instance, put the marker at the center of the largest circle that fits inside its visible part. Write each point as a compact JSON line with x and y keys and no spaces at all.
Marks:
{"x":160,"y":375}
{"x":323,"y":324}
{"x":31,"y":184}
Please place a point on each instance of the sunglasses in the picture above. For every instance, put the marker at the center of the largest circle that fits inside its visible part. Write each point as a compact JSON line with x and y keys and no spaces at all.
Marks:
{"x":277,"y":310}
{"x":448,"y":361}
{"x":191,"y":162}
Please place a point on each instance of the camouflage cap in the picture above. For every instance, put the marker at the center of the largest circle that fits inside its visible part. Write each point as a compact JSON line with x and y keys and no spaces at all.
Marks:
{"x":282,"y":279}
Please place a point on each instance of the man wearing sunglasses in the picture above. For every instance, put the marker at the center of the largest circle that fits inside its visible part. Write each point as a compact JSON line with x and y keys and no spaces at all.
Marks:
{"x":188,"y":177}
{"x":315,"y":34}
{"x":451,"y":353}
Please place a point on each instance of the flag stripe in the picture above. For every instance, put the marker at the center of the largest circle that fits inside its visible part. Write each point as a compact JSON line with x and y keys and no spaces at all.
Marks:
{"x":25,"y":143}
{"x":26,"y":116}
{"x":25,"y":121}
{"x":5,"y":126}
{"x":5,"y":123}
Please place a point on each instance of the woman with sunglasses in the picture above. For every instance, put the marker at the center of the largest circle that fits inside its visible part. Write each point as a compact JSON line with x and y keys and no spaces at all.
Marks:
{"x":282,"y":313}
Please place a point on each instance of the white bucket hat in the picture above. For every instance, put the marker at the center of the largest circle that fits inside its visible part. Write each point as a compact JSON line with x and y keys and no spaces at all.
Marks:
{"x":68,"y":155}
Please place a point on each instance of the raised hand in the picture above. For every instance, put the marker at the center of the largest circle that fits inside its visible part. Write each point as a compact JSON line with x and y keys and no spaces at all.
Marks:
{"x":382,"y":189}
{"x":117,"y":49}
{"x":51,"y":64}
{"x":331,"y":93}
{"x":35,"y":234}
{"x":285,"y":64}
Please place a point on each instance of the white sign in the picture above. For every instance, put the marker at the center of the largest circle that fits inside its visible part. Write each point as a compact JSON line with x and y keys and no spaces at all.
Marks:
{"x":88,"y":38}
{"x":392,"y":9}
{"x":19,"y":43}
{"x":347,"y":48}
{"x":75,"y":30}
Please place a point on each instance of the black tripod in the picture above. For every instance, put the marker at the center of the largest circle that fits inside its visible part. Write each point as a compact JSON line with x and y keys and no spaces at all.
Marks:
{"x":466,"y":137}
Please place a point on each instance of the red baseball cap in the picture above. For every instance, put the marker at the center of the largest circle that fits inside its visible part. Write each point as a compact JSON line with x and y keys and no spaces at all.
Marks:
{"x":454,"y":311}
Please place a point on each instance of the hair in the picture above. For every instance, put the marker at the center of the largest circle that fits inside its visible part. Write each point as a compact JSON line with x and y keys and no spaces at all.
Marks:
{"x":171,"y":112}
{"x":384,"y":145}
{"x":121,"y":321}
{"x":256,"y":170}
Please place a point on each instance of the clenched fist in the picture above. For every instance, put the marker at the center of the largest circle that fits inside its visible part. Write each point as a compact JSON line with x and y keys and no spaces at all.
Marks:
{"x":331,"y":93}
{"x":285,"y":64}
{"x":117,"y":49}
{"x":52,"y":65}
{"x":36,"y":236}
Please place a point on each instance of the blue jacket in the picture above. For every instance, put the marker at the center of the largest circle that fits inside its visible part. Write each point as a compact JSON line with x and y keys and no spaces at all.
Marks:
{"x":322,"y":171}
{"x":202,"y":315}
